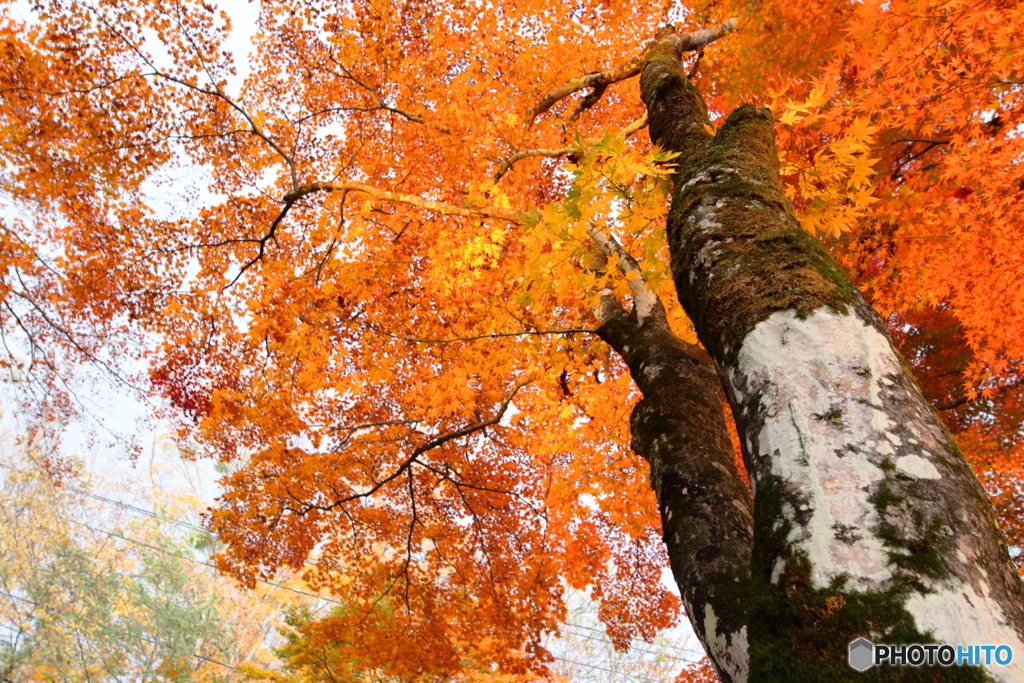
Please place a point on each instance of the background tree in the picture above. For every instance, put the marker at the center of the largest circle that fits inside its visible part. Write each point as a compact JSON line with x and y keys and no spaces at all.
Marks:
{"x":91,"y":589}
{"x":360,"y":311}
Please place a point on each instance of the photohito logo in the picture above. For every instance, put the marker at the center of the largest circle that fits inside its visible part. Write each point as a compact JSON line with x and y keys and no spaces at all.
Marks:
{"x":864,"y":654}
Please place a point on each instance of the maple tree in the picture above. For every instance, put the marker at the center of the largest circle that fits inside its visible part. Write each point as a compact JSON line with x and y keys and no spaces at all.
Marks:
{"x":396,"y":295}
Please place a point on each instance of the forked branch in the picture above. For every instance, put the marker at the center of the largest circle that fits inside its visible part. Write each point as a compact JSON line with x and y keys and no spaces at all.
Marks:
{"x":413,"y":458}
{"x":505,"y":165}
{"x":298,"y":193}
{"x":644,"y":298}
{"x":600,"y":80}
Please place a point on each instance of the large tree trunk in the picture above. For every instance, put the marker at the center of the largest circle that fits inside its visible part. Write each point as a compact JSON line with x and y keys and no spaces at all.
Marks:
{"x":867,"y":519}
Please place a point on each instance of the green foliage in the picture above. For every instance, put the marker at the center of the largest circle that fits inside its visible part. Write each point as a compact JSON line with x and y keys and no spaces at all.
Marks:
{"x":80,"y":603}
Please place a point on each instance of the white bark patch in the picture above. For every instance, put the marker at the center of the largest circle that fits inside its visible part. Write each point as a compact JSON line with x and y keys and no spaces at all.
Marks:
{"x":820,"y":382}
{"x":831,"y":425}
{"x":740,"y":657}
{"x":707,"y":256}
{"x":644,"y":300}
{"x":730,"y":653}
{"x":777,"y":569}
{"x":964,"y":616}
{"x":916,"y":466}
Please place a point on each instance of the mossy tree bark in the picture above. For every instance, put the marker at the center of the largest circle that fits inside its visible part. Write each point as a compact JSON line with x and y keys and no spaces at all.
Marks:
{"x":679,"y":428}
{"x":867,"y":519}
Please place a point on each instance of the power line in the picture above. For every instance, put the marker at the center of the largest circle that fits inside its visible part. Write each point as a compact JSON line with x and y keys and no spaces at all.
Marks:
{"x":568,"y":626}
{"x":602,"y":668}
{"x":632,"y":648}
{"x":138,"y":510}
{"x":133,"y":635}
{"x":119,"y":503}
{"x":205,"y":564}
{"x":235,"y":668}
{"x":143,"y":511}
{"x":336,"y":602}
{"x":186,"y":525}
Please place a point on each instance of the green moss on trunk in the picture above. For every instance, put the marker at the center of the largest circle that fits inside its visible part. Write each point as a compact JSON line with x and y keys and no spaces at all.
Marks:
{"x":801,"y":634}
{"x":738,"y":251}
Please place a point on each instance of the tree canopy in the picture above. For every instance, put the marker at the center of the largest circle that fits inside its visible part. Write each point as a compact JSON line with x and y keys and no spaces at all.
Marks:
{"x":363,"y":272}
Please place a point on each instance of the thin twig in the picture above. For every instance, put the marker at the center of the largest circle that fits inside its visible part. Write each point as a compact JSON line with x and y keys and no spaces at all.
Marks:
{"x":505,"y":165}
{"x":498,"y":212}
{"x":407,"y":464}
{"x":494,"y":335}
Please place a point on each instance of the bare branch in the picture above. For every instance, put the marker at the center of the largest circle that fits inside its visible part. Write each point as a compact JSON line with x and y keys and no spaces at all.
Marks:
{"x":505,"y":165}
{"x":600,"y":80}
{"x":493,"y":335}
{"x":554,"y":153}
{"x":696,"y":65}
{"x":588,"y":101}
{"x":636,"y":126}
{"x":413,"y":459}
{"x":375,"y":192}
{"x":263,"y":241}
{"x":381,"y":104}
{"x":608,"y":305}
{"x":402,"y":198}
{"x":213,"y":90}
{"x":644,"y":298}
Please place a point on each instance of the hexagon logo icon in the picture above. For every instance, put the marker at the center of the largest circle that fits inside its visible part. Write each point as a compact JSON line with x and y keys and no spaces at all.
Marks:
{"x":862,"y":654}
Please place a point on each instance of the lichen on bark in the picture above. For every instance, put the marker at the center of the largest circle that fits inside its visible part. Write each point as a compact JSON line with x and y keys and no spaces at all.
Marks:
{"x":679,"y":428}
{"x":868,"y":521}
{"x":738,"y":241}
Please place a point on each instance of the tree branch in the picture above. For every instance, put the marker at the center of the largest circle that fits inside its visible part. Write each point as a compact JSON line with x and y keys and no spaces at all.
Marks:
{"x":600,"y":80}
{"x":498,"y":212}
{"x":493,"y":335}
{"x":505,"y":165}
{"x":644,"y":298}
{"x":381,"y":103}
{"x":964,"y":400}
{"x":413,"y":458}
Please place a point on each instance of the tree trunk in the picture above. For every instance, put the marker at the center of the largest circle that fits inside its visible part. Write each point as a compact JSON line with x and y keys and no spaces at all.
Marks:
{"x":679,"y":428}
{"x":867,"y":519}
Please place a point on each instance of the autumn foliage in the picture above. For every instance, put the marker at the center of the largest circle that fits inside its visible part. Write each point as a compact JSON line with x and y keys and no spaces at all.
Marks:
{"x":327,"y":282}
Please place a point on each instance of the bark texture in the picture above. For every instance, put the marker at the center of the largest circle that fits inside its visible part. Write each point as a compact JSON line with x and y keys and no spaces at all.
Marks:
{"x":867,"y":519}
{"x":679,"y":428}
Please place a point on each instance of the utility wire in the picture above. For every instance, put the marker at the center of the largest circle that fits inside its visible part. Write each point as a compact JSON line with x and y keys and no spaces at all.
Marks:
{"x":193,"y":527}
{"x":121,"y":504}
{"x":605,"y":669}
{"x":229,"y":666}
{"x":138,"y":510}
{"x":134,"y":508}
{"x":569,"y":626}
{"x":205,"y":564}
{"x":235,"y":668}
{"x":186,"y":525}
{"x":143,"y":511}
{"x":134,"y":635}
